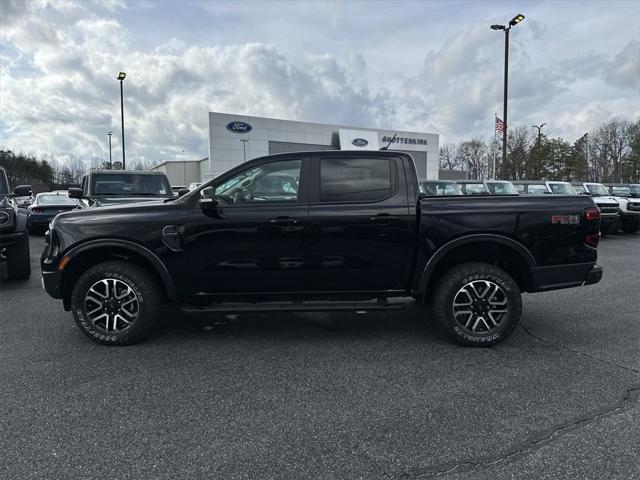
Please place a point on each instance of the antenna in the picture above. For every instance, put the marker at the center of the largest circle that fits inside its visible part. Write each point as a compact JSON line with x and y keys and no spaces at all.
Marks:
{"x":390,"y":142}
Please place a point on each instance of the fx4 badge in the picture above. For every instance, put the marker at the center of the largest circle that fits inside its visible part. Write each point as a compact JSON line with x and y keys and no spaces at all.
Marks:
{"x":565,"y":219}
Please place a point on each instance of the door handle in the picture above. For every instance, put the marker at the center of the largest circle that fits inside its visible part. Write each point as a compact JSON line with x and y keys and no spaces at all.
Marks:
{"x":384,"y":218}
{"x":283,"y":221}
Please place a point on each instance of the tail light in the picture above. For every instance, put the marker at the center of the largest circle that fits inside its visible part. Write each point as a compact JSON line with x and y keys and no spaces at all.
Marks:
{"x":592,"y":214}
{"x":37,"y":210}
{"x":592,"y":239}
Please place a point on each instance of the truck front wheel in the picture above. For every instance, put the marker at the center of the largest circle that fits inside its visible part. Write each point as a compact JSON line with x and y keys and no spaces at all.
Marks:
{"x":19,"y":259}
{"x":116,"y":303}
{"x":477,"y":304}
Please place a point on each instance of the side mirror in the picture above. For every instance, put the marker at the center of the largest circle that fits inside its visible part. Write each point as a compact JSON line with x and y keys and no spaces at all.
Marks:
{"x":208,"y":198}
{"x":75,"y":192}
{"x":22,"y":191}
{"x":183,"y":191}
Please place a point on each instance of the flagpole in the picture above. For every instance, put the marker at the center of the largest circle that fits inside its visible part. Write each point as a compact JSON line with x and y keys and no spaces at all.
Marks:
{"x":495,"y":143}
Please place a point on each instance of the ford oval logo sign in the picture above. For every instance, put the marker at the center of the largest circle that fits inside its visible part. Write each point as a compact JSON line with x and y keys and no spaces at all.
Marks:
{"x":359,"y":142}
{"x":239,"y":127}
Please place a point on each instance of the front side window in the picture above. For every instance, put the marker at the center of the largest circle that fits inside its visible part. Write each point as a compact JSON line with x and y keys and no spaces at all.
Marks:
{"x":270,"y":182}
{"x":355,"y":179}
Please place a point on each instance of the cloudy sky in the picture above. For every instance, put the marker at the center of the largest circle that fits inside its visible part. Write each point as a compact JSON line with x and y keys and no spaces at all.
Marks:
{"x":423,"y":65}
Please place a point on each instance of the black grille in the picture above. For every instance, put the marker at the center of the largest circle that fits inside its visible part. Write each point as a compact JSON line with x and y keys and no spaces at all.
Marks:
{"x":608,"y":209}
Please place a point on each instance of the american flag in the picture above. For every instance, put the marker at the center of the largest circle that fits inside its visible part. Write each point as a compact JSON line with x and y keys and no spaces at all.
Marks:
{"x":499,"y":125}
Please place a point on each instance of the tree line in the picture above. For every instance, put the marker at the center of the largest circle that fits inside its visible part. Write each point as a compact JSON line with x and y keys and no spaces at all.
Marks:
{"x":49,"y":173}
{"x":610,"y":153}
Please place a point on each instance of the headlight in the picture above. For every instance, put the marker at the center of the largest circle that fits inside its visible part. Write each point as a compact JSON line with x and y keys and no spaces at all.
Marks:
{"x":6,"y":218}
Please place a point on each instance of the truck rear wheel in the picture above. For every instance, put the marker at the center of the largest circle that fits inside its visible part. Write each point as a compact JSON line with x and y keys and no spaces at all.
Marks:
{"x":116,"y":303}
{"x":19,"y":259}
{"x":477,"y":304}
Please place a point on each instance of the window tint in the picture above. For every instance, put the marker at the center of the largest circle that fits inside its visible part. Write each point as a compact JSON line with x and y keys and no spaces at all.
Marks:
{"x":475,"y":188}
{"x":270,"y":182}
{"x":355,"y":179}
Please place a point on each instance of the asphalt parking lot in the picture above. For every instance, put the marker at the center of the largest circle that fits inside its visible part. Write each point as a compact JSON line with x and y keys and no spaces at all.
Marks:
{"x":328,"y":396}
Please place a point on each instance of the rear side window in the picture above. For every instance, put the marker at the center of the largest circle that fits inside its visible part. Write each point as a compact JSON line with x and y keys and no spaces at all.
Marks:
{"x":356,"y":179}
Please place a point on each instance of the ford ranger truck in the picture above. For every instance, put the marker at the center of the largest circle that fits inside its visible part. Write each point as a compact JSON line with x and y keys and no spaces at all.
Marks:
{"x":319,"y":231}
{"x":608,"y":205}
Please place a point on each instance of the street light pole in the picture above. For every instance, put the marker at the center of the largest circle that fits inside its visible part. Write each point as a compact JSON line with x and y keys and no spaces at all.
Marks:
{"x":514,"y":21}
{"x":121,"y":77}
{"x":110,"y":162}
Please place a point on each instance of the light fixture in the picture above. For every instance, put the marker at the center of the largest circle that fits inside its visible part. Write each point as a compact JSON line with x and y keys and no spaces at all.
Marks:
{"x":121,"y":76}
{"x":517,"y":19}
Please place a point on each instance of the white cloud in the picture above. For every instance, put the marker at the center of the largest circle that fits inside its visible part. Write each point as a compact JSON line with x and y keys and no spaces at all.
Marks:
{"x":58,"y":91}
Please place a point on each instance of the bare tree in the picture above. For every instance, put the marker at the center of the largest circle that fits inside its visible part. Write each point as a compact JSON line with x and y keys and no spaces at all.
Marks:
{"x":475,"y":155}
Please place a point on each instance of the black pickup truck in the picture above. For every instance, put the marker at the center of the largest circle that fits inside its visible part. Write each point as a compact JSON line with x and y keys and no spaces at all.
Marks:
{"x":319,"y":231}
{"x":15,"y":260}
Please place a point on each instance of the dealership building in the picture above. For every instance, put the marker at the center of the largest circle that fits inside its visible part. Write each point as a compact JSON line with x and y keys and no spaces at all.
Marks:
{"x":234,"y":139}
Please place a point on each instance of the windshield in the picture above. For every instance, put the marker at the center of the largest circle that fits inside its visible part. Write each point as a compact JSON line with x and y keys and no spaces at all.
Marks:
{"x":502,"y":188}
{"x":597,"y":189}
{"x":129,"y":184}
{"x":579,"y":188}
{"x":621,"y":191}
{"x":635,"y":189}
{"x":537,"y":189}
{"x":440,"y":188}
{"x":55,"y":200}
{"x":561,"y":188}
{"x":475,"y":188}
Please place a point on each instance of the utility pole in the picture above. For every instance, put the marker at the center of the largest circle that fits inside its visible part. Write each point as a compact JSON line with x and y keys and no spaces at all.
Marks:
{"x":121,"y":77}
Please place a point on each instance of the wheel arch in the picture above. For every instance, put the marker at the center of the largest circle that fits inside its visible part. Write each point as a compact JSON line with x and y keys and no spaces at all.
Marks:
{"x":84,"y":256}
{"x":498,"y":250}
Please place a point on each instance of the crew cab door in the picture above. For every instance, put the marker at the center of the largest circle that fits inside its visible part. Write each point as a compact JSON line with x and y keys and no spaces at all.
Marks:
{"x":360,"y":233}
{"x":253,"y":240}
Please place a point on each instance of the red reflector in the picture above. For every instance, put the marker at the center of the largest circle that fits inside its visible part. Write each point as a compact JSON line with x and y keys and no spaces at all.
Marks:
{"x":592,"y":240}
{"x":592,"y":214}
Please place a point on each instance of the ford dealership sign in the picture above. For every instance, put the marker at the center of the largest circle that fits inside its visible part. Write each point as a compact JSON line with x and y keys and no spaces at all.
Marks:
{"x":239,"y":127}
{"x":359,"y":142}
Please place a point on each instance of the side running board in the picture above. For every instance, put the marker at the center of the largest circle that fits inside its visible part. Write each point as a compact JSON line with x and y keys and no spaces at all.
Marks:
{"x":266,"y":307}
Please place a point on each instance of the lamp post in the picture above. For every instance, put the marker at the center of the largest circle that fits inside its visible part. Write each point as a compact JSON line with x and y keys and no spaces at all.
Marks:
{"x":121,"y":77}
{"x":513,"y":22}
{"x":244,"y":148}
{"x":110,"y":162}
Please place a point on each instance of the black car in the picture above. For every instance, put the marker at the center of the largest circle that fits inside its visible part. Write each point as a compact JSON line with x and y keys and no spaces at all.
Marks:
{"x":15,"y":261}
{"x":46,"y":206}
{"x":331,"y":230}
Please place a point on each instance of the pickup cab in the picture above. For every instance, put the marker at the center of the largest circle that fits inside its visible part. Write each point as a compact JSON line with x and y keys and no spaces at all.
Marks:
{"x":319,"y":231}
{"x":112,"y":187}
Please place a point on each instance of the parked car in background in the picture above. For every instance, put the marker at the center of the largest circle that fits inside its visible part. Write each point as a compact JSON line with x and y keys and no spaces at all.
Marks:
{"x":319,"y":231}
{"x":24,"y":200}
{"x":487,"y":187}
{"x":15,"y":260}
{"x":113,"y":187}
{"x":629,"y":190}
{"x":561,"y":188}
{"x":177,"y":188}
{"x":46,"y":206}
{"x":629,"y":207}
{"x":543,"y":187}
{"x":194,"y":185}
{"x":437,"y":188}
{"x":609,"y":206}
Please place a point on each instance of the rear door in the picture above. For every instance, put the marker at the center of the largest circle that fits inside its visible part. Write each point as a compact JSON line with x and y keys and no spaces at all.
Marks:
{"x":360,"y":236}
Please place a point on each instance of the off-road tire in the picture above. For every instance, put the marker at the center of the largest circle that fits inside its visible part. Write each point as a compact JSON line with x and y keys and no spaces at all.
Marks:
{"x":19,"y":259}
{"x":449,"y":288}
{"x":143,"y":284}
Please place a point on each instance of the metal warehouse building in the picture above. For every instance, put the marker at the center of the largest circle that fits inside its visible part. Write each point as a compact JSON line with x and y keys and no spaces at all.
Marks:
{"x":183,"y":172}
{"x":234,"y":139}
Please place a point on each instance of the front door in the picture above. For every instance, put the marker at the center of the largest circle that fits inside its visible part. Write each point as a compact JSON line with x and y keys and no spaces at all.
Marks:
{"x":253,"y":241}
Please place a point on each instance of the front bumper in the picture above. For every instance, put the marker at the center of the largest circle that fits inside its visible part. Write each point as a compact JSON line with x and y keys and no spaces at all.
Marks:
{"x":565,"y":276}
{"x":51,"y":283}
